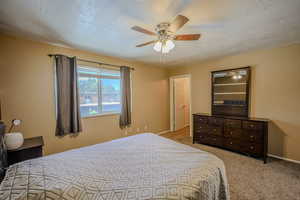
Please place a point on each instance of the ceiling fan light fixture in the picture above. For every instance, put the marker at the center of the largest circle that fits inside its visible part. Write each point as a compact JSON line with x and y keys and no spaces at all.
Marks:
{"x":170,"y":44}
{"x":165,"y":49}
{"x":157,"y":47}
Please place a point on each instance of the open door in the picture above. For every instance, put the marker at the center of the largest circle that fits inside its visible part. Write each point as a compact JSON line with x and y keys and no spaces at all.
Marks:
{"x":181,"y":94}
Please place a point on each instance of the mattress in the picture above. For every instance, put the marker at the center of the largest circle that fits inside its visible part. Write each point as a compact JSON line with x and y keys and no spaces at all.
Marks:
{"x":144,"y":166}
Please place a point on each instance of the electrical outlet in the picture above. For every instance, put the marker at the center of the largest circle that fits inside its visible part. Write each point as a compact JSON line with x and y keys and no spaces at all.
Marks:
{"x":137,"y":129}
{"x":145,"y":127}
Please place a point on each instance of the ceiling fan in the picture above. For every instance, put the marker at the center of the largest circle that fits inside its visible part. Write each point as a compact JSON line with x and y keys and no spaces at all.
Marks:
{"x":165,"y":33}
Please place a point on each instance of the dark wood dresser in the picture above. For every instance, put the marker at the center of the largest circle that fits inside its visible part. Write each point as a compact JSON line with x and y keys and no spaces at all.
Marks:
{"x":240,"y":134}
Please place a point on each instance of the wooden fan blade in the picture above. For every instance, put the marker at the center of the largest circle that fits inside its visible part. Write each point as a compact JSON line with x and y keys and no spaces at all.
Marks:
{"x":144,"y":44}
{"x":178,"y":22}
{"x":187,"y":37}
{"x":142,"y":30}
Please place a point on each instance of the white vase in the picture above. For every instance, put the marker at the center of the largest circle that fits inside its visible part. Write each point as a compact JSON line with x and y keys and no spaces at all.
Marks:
{"x":13,"y":140}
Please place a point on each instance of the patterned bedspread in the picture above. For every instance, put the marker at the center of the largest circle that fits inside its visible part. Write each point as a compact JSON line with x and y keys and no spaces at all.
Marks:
{"x":144,"y":166}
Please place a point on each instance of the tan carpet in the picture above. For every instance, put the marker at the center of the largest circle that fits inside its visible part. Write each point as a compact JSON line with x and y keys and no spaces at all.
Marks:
{"x":249,"y":178}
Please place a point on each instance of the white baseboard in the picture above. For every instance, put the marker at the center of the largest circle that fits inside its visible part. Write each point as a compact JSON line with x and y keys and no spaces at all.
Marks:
{"x":283,"y":158}
{"x":163,"y":132}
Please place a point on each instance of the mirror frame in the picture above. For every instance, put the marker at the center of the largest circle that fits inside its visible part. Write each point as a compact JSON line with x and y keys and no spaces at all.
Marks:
{"x":230,"y":110}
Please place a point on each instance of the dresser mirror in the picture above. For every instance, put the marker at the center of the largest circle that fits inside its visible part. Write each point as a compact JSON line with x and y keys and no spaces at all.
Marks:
{"x":229,"y":126}
{"x":230,"y":92}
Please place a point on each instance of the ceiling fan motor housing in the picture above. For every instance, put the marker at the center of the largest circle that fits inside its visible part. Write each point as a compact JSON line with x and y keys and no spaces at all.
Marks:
{"x":163,"y":31}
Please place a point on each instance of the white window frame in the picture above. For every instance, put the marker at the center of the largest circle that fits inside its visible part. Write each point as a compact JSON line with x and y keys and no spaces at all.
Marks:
{"x":99,"y":77}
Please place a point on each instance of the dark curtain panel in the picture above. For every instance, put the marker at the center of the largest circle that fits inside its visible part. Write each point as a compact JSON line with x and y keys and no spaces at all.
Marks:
{"x":125,"y":117}
{"x":67,"y":96}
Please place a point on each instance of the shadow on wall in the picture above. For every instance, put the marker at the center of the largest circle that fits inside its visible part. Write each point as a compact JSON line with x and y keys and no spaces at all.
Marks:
{"x":276,"y":139}
{"x":47,"y":33}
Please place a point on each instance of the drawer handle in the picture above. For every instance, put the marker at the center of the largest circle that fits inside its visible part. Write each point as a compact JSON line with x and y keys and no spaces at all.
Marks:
{"x":251,"y":125}
{"x":230,"y":142}
{"x":252,"y":136}
{"x":215,"y":139}
{"x":251,"y":147}
{"x":200,"y":126}
{"x":230,"y":132}
{"x":215,"y":130}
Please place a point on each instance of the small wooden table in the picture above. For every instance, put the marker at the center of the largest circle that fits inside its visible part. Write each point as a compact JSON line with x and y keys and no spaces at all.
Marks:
{"x":31,"y":148}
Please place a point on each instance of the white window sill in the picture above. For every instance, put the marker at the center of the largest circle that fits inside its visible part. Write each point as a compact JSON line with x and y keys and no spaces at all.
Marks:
{"x":102,"y":115}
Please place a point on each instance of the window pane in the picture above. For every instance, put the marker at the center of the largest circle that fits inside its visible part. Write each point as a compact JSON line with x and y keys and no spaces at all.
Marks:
{"x":88,"y":90}
{"x":89,"y":70}
{"x":98,"y":71}
{"x":110,"y":95}
{"x":107,"y":72}
{"x":99,"y":90}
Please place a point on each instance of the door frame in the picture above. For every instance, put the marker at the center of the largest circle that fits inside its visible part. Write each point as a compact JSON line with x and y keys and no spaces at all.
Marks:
{"x":172,"y":105}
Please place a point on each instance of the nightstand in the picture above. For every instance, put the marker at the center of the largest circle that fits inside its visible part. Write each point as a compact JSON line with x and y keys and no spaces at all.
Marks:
{"x":31,"y":148}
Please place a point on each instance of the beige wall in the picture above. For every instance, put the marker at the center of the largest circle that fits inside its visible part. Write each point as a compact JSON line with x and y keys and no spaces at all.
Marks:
{"x":275,"y":92}
{"x":26,"y":90}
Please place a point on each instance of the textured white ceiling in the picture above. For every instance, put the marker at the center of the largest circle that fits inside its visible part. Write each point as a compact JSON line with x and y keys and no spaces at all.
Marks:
{"x":103,"y":26}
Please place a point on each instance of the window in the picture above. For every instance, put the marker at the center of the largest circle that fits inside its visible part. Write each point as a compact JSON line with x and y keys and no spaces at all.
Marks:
{"x":99,"y":91}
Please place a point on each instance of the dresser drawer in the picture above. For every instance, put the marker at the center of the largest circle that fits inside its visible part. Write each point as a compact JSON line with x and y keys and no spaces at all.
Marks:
{"x":250,"y":125}
{"x":215,"y":121}
{"x":208,"y":131}
{"x":233,"y":123}
{"x":233,"y":144}
{"x":254,"y":136}
{"x":215,"y":131}
{"x":253,"y":149}
{"x":200,"y":132}
{"x":200,"y":138}
{"x":211,"y":140}
{"x":201,"y":128}
{"x":200,"y":119}
{"x":233,"y":133}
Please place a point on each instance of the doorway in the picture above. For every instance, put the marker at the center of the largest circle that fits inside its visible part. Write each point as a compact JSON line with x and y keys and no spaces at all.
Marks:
{"x":180,"y":103}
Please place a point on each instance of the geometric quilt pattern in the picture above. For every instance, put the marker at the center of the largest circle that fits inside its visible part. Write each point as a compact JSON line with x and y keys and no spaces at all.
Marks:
{"x":144,"y":166}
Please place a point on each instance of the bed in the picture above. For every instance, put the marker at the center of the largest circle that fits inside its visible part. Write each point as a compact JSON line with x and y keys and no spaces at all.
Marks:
{"x":144,"y":166}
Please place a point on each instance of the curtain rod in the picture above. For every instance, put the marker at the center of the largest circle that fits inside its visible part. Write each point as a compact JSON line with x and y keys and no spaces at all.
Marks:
{"x":90,"y":61}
